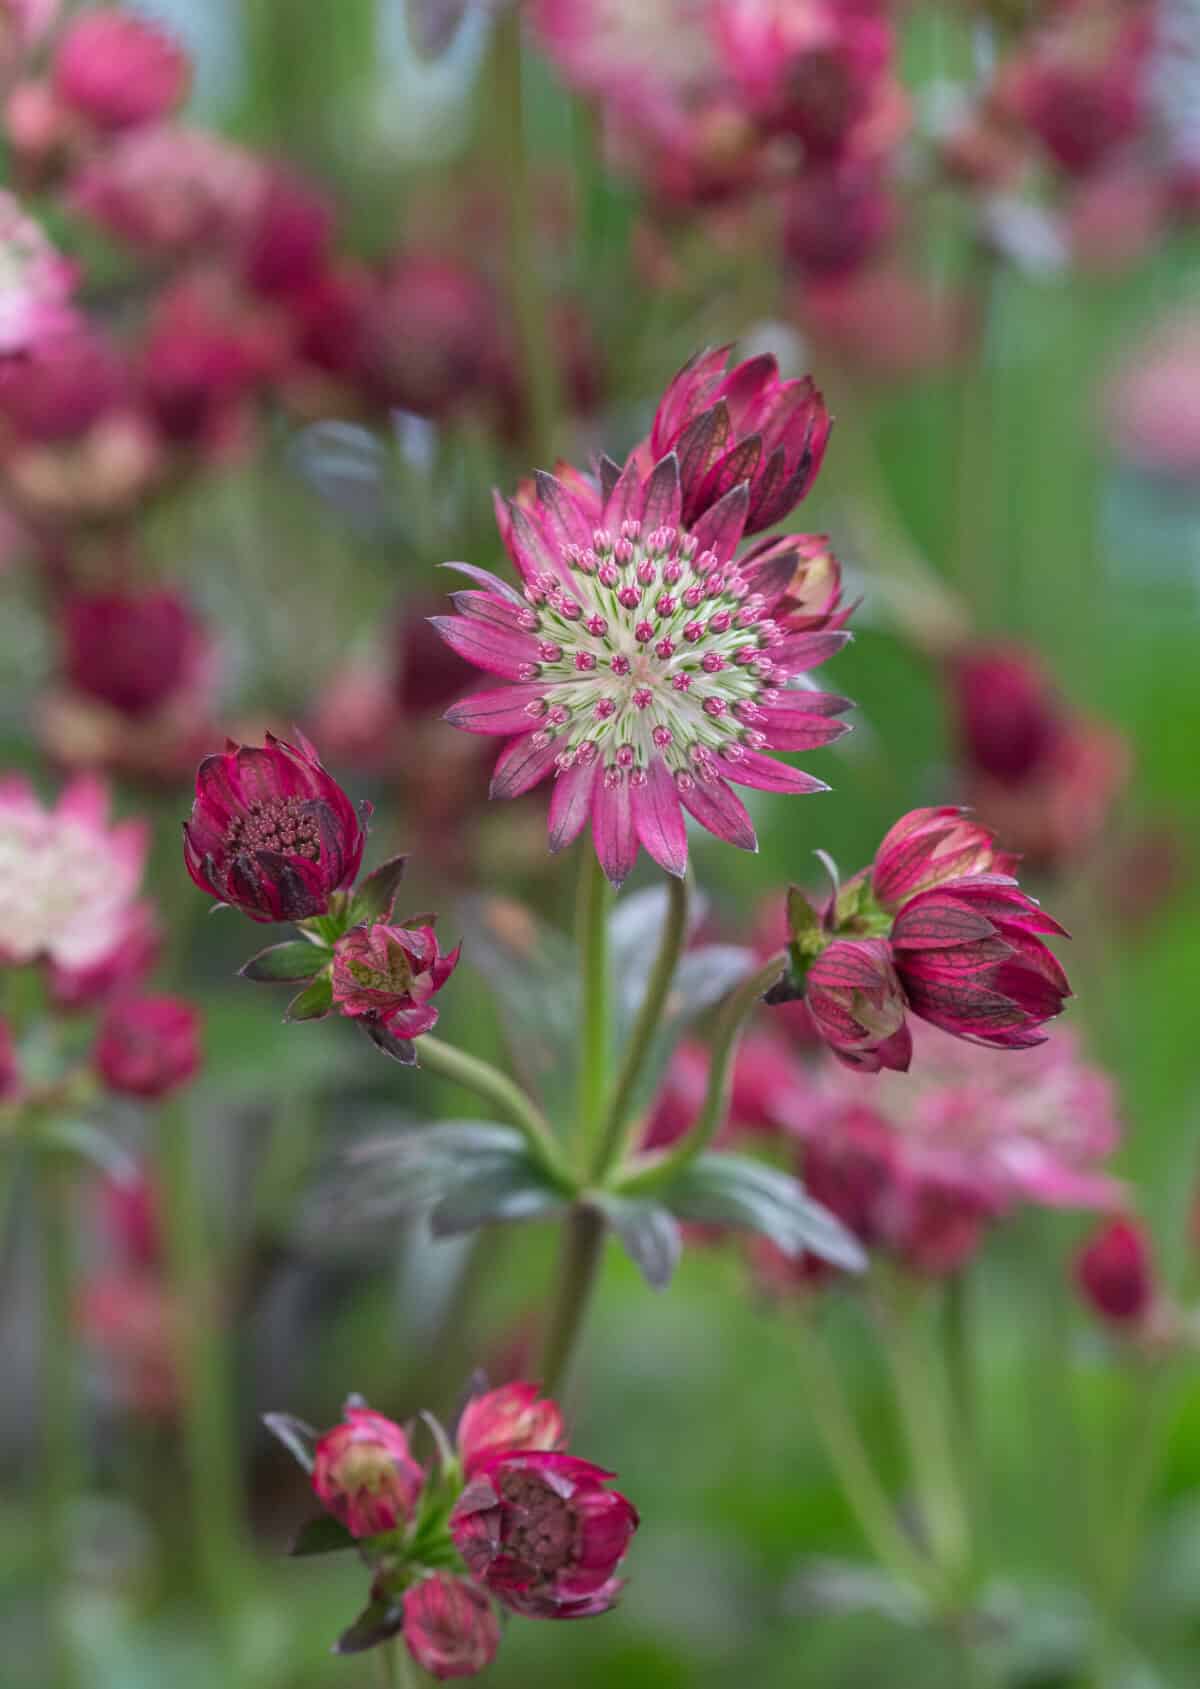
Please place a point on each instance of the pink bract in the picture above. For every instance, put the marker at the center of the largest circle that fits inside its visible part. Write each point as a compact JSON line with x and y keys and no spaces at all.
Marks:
{"x":507,"y":1420}
{"x":388,"y":974}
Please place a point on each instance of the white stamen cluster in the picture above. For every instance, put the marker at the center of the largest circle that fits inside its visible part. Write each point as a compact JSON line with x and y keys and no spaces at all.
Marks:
{"x":659,"y":650}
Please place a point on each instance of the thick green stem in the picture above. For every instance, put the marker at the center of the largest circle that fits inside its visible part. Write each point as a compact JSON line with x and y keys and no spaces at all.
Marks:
{"x":661,"y":1169}
{"x":534,"y":324}
{"x":579,"y":1265}
{"x":63,"y":1459}
{"x":496,"y":1088}
{"x":614,"y":1136}
{"x":826,"y":1403}
{"x":209,"y":1429}
{"x":592,"y":938}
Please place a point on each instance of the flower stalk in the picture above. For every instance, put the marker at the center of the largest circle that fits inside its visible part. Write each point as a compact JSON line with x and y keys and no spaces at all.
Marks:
{"x":503,"y":1093}
{"x":580,"y":1255}
{"x":594,"y":1005}
{"x":62,"y":1419}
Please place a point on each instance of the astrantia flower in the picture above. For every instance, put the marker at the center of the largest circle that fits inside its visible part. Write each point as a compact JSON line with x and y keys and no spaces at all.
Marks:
{"x":364,"y":1473}
{"x":544,"y":1534}
{"x":926,"y":848}
{"x":387,"y":974}
{"x":67,"y":878}
{"x":271,"y":832}
{"x":649,"y":671}
{"x":1115,"y":1275}
{"x":170,"y":190}
{"x":857,"y":1005}
{"x":506,"y":1420}
{"x":131,"y":650}
{"x":450,"y":1626}
{"x":743,"y":424}
{"x":148,"y":1046}
{"x":117,"y":69}
{"x":36,"y":283}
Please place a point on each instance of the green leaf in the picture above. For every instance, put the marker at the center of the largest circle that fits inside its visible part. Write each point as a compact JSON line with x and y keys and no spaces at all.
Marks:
{"x":499,"y":1192}
{"x":804,"y":924}
{"x":377,"y":1623}
{"x":373,"y":897}
{"x":297,"y":1438}
{"x":297,"y":959}
{"x":80,"y":1138}
{"x":736,"y":1190}
{"x":650,"y":1235}
{"x":322,"y":1535}
{"x":314,"y":1003}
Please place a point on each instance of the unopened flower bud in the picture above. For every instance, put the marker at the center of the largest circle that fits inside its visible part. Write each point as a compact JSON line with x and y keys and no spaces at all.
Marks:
{"x":364,"y":1473}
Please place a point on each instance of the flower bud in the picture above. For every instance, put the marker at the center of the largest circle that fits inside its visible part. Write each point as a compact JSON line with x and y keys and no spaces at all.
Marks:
{"x":1114,"y":1273}
{"x":364,"y":1473}
{"x":857,"y":1005}
{"x":118,"y":70}
{"x":148,"y":1046}
{"x":388,"y":974}
{"x":450,"y":1626}
{"x":505,"y":1421}
{"x":929,"y":846}
{"x":131,"y":650}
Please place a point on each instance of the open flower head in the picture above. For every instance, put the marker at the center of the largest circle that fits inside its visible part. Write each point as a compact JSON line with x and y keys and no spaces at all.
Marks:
{"x":647,"y":672}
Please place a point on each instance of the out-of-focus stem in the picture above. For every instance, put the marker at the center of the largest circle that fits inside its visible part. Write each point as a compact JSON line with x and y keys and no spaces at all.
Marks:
{"x":61,"y":1410}
{"x":591,"y":927}
{"x":530,"y":307}
{"x":496,"y":1088}
{"x":210,"y":1431}
{"x":739,"y":1005}
{"x":578,"y":1269}
{"x":974,"y":539}
{"x":615,"y":1131}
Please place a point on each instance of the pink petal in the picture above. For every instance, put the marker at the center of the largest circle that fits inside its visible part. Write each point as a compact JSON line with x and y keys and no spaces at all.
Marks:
{"x":719,"y":810}
{"x":563,"y":522}
{"x":522,"y":764}
{"x":612,"y":826}
{"x":625,"y":500}
{"x":753,"y":769}
{"x":571,"y":801}
{"x":659,"y":819}
{"x":499,"y":612}
{"x":489,"y":648}
{"x":503,"y":711}
{"x":530,"y":550}
{"x":663,"y":499}
{"x":486,"y":579}
{"x":809,"y":650}
{"x":721,"y":527}
{"x":797,"y":732}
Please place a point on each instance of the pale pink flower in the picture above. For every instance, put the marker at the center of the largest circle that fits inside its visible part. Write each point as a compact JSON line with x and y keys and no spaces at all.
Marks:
{"x":36,"y":282}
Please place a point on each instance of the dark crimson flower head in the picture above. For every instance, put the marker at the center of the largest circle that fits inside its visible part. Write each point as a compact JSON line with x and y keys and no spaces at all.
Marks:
{"x":132,"y":650}
{"x":507,"y":1420}
{"x":1114,"y":1273}
{"x":450,"y":1626}
{"x":727,"y":426}
{"x":365,"y":1474}
{"x":148,"y":1046}
{"x":118,"y":69}
{"x":62,"y":387}
{"x":1008,"y":716}
{"x":388,"y":974}
{"x":271,"y":832}
{"x":544,"y":1534}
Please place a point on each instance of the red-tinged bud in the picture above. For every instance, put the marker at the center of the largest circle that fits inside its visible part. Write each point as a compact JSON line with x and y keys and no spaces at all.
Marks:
{"x":857,"y":1005}
{"x":271,"y":832}
{"x":1008,"y":714}
{"x":450,"y":1626}
{"x":388,"y":974}
{"x":118,"y":70}
{"x":148,"y":1046}
{"x":10,"y":1068}
{"x":929,"y":846}
{"x":1114,"y":1273}
{"x":131,"y":650}
{"x":365,"y":1474}
{"x":506,"y":1421}
{"x":544,"y":1534}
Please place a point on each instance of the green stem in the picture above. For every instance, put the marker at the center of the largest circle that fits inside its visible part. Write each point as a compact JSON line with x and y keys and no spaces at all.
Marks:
{"x":975,"y":538}
{"x":496,"y":1088}
{"x":957,"y":1332}
{"x":531,"y":311}
{"x":592,"y":930}
{"x":62,"y":1416}
{"x":208,"y":1427}
{"x":922,"y":1414}
{"x":652,"y":1172}
{"x":579,"y":1265}
{"x":825,"y":1401}
{"x":614,"y":1136}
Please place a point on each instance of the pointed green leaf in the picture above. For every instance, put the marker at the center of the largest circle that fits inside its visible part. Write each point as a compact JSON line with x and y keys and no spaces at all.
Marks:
{"x":314,"y":1003}
{"x":322,"y":1535}
{"x":377,"y":1623}
{"x":489,"y":1194}
{"x":373,"y":897}
{"x":292,"y":961}
{"x":79,"y":1137}
{"x":650,"y":1235}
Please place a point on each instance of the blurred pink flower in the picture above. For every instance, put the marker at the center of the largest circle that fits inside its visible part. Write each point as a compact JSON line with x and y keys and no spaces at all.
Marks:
{"x":122,"y":969}
{"x":68,"y":877}
{"x":1115,"y":1274}
{"x":167,"y":190}
{"x":118,"y":70}
{"x":148,"y":1047}
{"x":36,"y":282}
{"x":1152,"y":404}
{"x":132,"y":650}
{"x":450,"y":1626}
{"x":365,"y":1474}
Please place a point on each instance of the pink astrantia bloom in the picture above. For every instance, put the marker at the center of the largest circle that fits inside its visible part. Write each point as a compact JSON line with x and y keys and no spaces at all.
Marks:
{"x":507,"y":1420}
{"x":388,"y":974}
{"x":67,"y":877}
{"x":119,"y":70}
{"x":364,"y":1473}
{"x":170,"y":191}
{"x":271,"y":832}
{"x":544,"y":1533}
{"x":926,"y":848}
{"x":745,"y":424}
{"x":450,"y":1626}
{"x":857,"y":1004}
{"x":148,"y":1046}
{"x":972,"y":1121}
{"x":1114,"y":1273}
{"x":36,"y":282}
{"x":650,"y":674}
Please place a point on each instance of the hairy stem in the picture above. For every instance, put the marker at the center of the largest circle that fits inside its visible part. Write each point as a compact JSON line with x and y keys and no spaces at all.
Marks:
{"x":614,"y":1136}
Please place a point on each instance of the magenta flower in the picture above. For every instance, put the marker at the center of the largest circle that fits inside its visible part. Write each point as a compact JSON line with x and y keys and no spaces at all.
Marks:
{"x":856,"y":1001}
{"x":450,"y":1626}
{"x":132,"y":650}
{"x":1114,"y":1273}
{"x":388,"y":974}
{"x":649,"y":673}
{"x":544,"y":1534}
{"x":364,"y":1473}
{"x":741,"y":425}
{"x":118,"y":70}
{"x":36,"y":282}
{"x":928,"y":847}
{"x":506,"y":1421}
{"x":148,"y":1046}
{"x":271,"y":833}
{"x":171,"y":191}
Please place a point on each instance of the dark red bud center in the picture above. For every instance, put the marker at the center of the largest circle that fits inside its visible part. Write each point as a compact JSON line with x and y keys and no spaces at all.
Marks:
{"x":286,"y":825}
